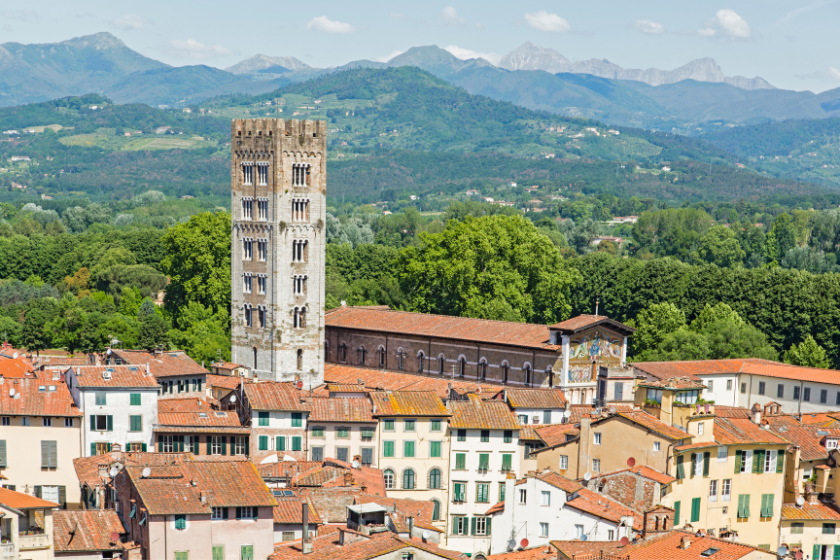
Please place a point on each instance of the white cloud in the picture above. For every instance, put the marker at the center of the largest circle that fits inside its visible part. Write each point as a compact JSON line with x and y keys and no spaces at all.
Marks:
{"x":478,"y":25}
{"x":830,"y":74}
{"x":19,"y":15}
{"x":449,"y":16}
{"x":649,"y":27}
{"x":195,"y":50}
{"x":388,"y":57}
{"x":327,"y":25}
{"x":129,"y":22}
{"x":466,"y":54}
{"x":545,"y":21}
{"x":726,"y":23}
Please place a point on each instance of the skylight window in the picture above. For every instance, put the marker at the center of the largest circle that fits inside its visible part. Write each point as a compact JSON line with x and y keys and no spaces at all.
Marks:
{"x":709,"y":552}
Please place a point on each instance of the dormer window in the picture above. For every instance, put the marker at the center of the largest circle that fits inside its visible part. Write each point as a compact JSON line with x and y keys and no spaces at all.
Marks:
{"x":831,"y":443}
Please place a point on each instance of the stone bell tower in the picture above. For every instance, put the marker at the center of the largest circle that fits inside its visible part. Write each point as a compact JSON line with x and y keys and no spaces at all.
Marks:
{"x":278,"y":213}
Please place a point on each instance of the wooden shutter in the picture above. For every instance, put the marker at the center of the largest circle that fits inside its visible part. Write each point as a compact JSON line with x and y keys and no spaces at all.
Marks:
{"x":3,"y":461}
{"x":247,"y":446}
{"x":53,"y":454}
{"x":92,"y":422}
{"x":143,"y":448}
{"x":92,"y":449}
{"x":472,"y":526}
{"x":676,"y":513}
{"x":218,"y":552}
{"x":739,"y":456}
{"x":691,"y":466}
{"x":780,"y":461}
{"x":62,"y":496}
{"x":680,"y":468}
{"x":506,"y":462}
{"x":37,"y":491}
{"x":706,"y":457}
{"x":110,"y":423}
{"x":695,"y":510}
{"x":224,"y":445}
{"x":296,"y":443}
{"x":280,"y":443}
{"x":45,"y":454}
{"x":757,"y":465}
{"x":836,"y":555}
{"x":487,"y":529}
{"x":209,"y":445}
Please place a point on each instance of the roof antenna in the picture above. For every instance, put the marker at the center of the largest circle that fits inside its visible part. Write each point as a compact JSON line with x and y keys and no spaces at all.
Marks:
{"x":597,"y":301}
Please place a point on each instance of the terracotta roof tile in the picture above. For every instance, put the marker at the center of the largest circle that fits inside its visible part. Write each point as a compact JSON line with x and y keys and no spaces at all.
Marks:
{"x":386,"y":380}
{"x":644,"y":472}
{"x":556,"y":433}
{"x":225,"y":365}
{"x":809,"y":511}
{"x":186,"y":405}
{"x":732,"y":411}
{"x":734,"y":431}
{"x":113,"y":376}
{"x":19,"y":500}
{"x":289,"y":510}
{"x":654,"y":424}
{"x":224,"y":381}
{"x":475,"y":413}
{"x":59,"y":361}
{"x":340,"y":410}
{"x":286,"y":469}
{"x":30,"y":400}
{"x":407,"y":403}
{"x":809,"y":439}
{"x":440,"y":326}
{"x":696,"y":445}
{"x":559,"y":481}
{"x":603,"y":507}
{"x":270,"y":395}
{"x":87,"y":468}
{"x":217,"y":418}
{"x":11,"y":367}
{"x":346,"y":388}
{"x":689,"y":369}
{"x":161,"y":364}
{"x":536,"y":553}
{"x":327,"y":547}
{"x":582,"y":322}
{"x":581,"y":410}
{"x":536,"y":398}
{"x":754,"y":366}
{"x":673,"y":383}
{"x":86,"y":530}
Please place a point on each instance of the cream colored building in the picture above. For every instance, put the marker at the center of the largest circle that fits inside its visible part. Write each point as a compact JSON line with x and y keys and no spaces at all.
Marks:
{"x":812,"y":528}
{"x":343,"y":429}
{"x":40,"y":435}
{"x":26,"y":526}
{"x":414,"y":447}
{"x":730,"y":479}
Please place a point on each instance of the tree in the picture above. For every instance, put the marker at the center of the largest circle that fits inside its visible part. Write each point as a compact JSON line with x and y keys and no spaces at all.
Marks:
{"x":206,"y":336}
{"x":34,"y":337}
{"x":494,"y":267}
{"x":197,"y":262}
{"x":711,"y":314}
{"x":784,"y":235}
{"x":807,"y":353}
{"x":153,"y":332}
{"x":720,"y":246}
{"x":652,"y":326}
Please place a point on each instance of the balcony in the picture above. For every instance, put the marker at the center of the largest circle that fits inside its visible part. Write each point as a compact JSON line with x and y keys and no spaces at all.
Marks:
{"x":7,"y":552}
{"x":30,"y":542}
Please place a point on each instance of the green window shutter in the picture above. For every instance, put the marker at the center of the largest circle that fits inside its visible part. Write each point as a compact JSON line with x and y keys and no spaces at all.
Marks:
{"x":263,"y":418}
{"x":484,"y":461}
{"x":143,"y":447}
{"x":297,"y":419}
{"x":263,"y":443}
{"x":691,"y":466}
{"x":460,"y":461}
{"x":280,"y":443}
{"x":136,"y":423}
{"x":434,"y":450}
{"x":695,"y":510}
{"x":135,"y":399}
{"x":110,"y":423}
{"x":487,"y":532}
{"x":506,"y":462}
{"x":180,"y":521}
{"x":780,"y":461}
{"x":224,"y":445}
{"x":472,"y":526}
{"x":408,"y":449}
{"x":680,"y":468}
{"x":248,"y":446}
{"x":767,"y":505}
{"x":218,"y":553}
{"x":389,"y":426}
{"x":92,"y":449}
{"x":3,"y":461}
{"x":182,"y":555}
{"x":297,"y":444}
{"x":108,"y":447}
{"x":706,"y":457}
{"x":836,"y":555}
{"x":45,"y":454}
{"x":209,"y":445}
{"x":239,"y":513}
{"x":247,"y":552}
{"x":756,"y":466}
{"x":181,"y":444}
{"x":37,"y":491}
{"x":388,"y":449}
{"x":92,"y":423}
{"x":739,"y":456}
{"x":676,"y":514}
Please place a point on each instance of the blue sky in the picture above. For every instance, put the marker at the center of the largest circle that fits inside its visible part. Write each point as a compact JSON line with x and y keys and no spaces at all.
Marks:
{"x":791,"y":44}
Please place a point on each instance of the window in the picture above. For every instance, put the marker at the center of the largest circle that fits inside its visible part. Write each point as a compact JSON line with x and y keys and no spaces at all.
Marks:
{"x":441,"y":364}
{"x":462,"y":367}
{"x":434,"y":449}
{"x":239,"y":445}
{"x":99,"y":423}
{"x":367,"y":456}
{"x":806,"y":394}
{"x":434,"y":479}
{"x":564,"y":462}
{"x":831,"y":444}
{"x":780,"y":392}
{"x":49,"y":454}
{"x":482,"y":526}
{"x":710,"y":386}
{"x":656,"y":446}
{"x":409,"y":425}
{"x":421,"y":362}
{"x":743,"y":506}
{"x":297,"y":443}
{"x":388,"y":425}
{"x":367,"y":434}
{"x":247,"y":208}
{"x":462,"y":435}
{"x":47,"y":422}
{"x":262,"y":173}
{"x":767,"y":507}
{"x":101,"y":399}
{"x":408,"y":449}
{"x":483,"y":462}
{"x":527,"y":370}
{"x":300,"y":285}
{"x":218,"y":513}
{"x":796,"y":392}
{"x":507,"y":459}
{"x":262,"y":283}
{"x":482,"y":492}
{"x":722,"y":454}
{"x":597,"y":438}
{"x":246,"y":512}
{"x":299,"y":250}
{"x":134,"y":399}
{"x":610,"y":535}
{"x":505,"y":372}
{"x":544,"y":530}
{"x":342,"y":353}
{"x":485,"y":436}
{"x":262,"y":418}
{"x":247,"y":249}
{"x":459,"y":525}
{"x":700,"y":428}
{"x":7,"y":421}
{"x":297,"y":419}
{"x":797,"y":528}
{"x":262,"y":249}
{"x":182,"y":554}
{"x":545,"y":498}
{"x":300,"y":174}
{"x":436,"y":426}
{"x":300,"y":317}
{"x":342,"y":432}
{"x":249,"y":321}
{"x":823,"y":396}
{"x":743,"y":388}
{"x":435,"y":510}
{"x":523,"y":496}
{"x":248,"y":173}
{"x":713,"y":488}
{"x":482,"y":369}
{"x":523,"y":419}
{"x":388,"y":448}
{"x":728,"y":384}
{"x":215,"y":445}
{"x":578,"y":531}
{"x":317,"y":453}
{"x":501,"y":491}
{"x":25,"y":421}
{"x":460,"y":461}
{"x":460,"y":494}
{"x":262,"y":208}
{"x":180,"y":522}
{"x":761,"y":386}
{"x":596,"y":465}
{"x":726,"y":488}
{"x":135,"y":423}
{"x":68,"y":422}
{"x":828,"y":528}
{"x":389,"y":479}
{"x":508,"y":436}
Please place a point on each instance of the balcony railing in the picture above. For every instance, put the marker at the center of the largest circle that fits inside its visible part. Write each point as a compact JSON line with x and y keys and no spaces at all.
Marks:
{"x":7,"y":552}
{"x":33,"y":541}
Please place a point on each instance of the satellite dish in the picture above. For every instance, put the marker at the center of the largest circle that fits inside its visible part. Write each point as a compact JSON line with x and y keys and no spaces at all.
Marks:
{"x":115,"y":537}
{"x":12,"y":392}
{"x":511,"y":544}
{"x":299,"y":385}
{"x":146,"y":472}
{"x":587,"y":476}
{"x":15,"y":356}
{"x":567,"y":413}
{"x":109,"y":351}
{"x":270,"y":459}
{"x":624,"y":541}
{"x":800,"y":500}
{"x":524,"y":543}
{"x":288,"y":458}
{"x":782,"y":551}
{"x":798,"y":555}
{"x":113,"y":473}
{"x":427,"y":535}
{"x":232,"y":399}
{"x":631,"y":462}
{"x":355,"y":464}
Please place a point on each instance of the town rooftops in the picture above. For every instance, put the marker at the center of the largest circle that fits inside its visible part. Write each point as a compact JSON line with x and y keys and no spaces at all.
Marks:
{"x":226,"y":420}
{"x":673,"y":384}
{"x":340,"y":410}
{"x":535,"y":398}
{"x":810,"y":439}
{"x":187,"y":404}
{"x":601,"y":506}
{"x":535,"y":553}
{"x":86,"y":530}
{"x":179,"y":488}
{"x":407,"y":403}
{"x":810,"y":512}
{"x":476,"y":413}
{"x":553,"y":434}
{"x":583,"y":322}
{"x":271,"y":395}
{"x":15,"y":365}
{"x":36,"y":397}
{"x":644,"y":472}
{"x":386,"y":380}
{"x":735,"y":431}
{"x":161,"y":364}
{"x":752,"y":366}
{"x":359,"y":547}
{"x":286,"y":469}
{"x":21,"y":501}
{"x":333,"y":473}
{"x":114,"y":377}
{"x":224,"y":381}
{"x":652,"y":423}
{"x":289,"y":509}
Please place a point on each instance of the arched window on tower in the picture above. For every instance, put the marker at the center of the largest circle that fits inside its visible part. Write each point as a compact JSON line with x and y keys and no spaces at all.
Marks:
{"x":482,"y":369}
{"x":300,"y":317}
{"x":300,"y":360}
{"x":255,"y":357}
{"x":527,"y":372}
{"x":400,"y":358}
{"x":505,"y":372}
{"x":421,"y":361}
{"x":434,"y":479}
{"x":436,"y":510}
{"x":462,"y":366}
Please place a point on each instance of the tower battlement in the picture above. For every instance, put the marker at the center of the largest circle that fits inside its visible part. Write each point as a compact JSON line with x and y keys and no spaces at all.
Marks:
{"x":278,"y":212}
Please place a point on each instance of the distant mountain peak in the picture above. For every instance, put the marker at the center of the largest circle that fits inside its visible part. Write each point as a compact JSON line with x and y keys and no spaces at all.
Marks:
{"x":260,"y":62}
{"x":101,"y":40}
{"x":529,"y":56}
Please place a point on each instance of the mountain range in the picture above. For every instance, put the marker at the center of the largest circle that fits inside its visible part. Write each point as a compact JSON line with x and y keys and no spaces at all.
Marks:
{"x":688,"y":99}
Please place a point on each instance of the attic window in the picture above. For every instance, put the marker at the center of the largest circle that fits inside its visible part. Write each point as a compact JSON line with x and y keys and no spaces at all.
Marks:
{"x":133,"y":368}
{"x":831,"y":444}
{"x":42,"y":389}
{"x":709,"y":552}
{"x":222,"y":414}
{"x":202,"y":415}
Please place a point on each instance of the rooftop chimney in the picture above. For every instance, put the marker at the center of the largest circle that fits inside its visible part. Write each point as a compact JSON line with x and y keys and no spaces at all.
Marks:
{"x":756,"y":414}
{"x":685,"y":542}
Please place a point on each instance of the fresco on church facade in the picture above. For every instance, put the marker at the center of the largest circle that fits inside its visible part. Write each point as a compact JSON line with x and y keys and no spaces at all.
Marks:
{"x":593,"y":346}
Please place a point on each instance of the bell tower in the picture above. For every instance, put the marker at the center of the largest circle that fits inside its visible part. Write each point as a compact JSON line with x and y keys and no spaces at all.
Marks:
{"x":278,"y":215}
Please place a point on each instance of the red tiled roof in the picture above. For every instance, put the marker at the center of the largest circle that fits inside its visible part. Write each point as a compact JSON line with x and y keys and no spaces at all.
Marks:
{"x":270,"y":395}
{"x":603,"y":507}
{"x":286,"y":469}
{"x":696,"y":445}
{"x":583,"y":322}
{"x":689,"y":369}
{"x":186,"y":405}
{"x":407,"y":403}
{"x":340,"y":410}
{"x":87,"y":468}
{"x":386,"y":380}
{"x":29,"y":400}
{"x":809,"y":439}
{"x":732,"y":412}
{"x":161,"y":364}
{"x":810,"y":512}
{"x":226,"y":483}
{"x":86,"y":530}
{"x":217,"y":418}
{"x":226,"y":365}
{"x":15,"y":367}
{"x":654,"y":424}
{"x":440,"y":326}
{"x":117,"y":376}
{"x":224,"y":381}
{"x":559,"y":481}
{"x":734,"y":431}
{"x":495,"y":508}
{"x":556,"y":433}
{"x":535,"y":553}
{"x":581,"y":410}
{"x":644,"y":472}
{"x":422,"y":511}
{"x":289,"y":510}
{"x":60,"y":361}
{"x":331,"y":503}
{"x":476,"y":413}
{"x":19,"y":500}
{"x":753,"y":366}
{"x":346,"y":388}
{"x":327,"y":547}
{"x":334,"y":474}
{"x":536,"y":398}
